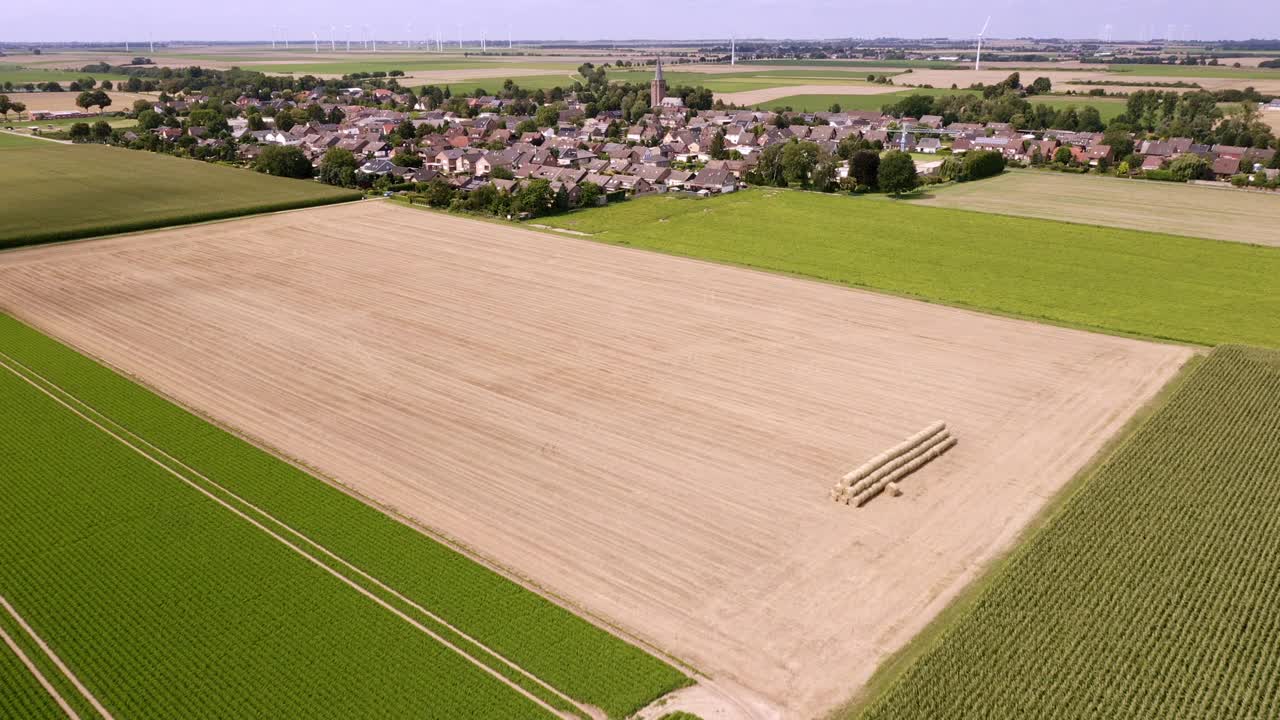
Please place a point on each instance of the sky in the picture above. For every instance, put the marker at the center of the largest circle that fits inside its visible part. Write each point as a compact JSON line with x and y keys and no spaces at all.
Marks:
{"x":95,"y":21}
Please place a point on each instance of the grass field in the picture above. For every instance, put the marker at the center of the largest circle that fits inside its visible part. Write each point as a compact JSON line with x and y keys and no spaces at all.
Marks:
{"x":1162,"y":286}
{"x":58,"y":192}
{"x":20,"y":74}
{"x":1107,"y":108}
{"x":407,"y":64}
{"x":178,"y":577}
{"x":1195,"y":71}
{"x":1150,"y":592}
{"x":1184,"y":209}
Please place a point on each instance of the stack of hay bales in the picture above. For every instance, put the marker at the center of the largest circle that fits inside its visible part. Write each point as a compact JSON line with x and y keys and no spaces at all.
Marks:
{"x":891,"y":466}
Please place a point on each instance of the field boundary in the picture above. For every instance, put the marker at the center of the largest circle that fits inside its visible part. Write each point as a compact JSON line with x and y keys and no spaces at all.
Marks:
{"x":53,"y":657}
{"x":585,"y":710}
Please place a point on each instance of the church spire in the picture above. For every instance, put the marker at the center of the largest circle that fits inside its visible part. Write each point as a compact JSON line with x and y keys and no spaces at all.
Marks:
{"x":657,"y":86}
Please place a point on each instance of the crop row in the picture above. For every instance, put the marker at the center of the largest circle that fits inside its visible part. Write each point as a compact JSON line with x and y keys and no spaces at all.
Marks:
{"x":1151,"y":592}
{"x":571,"y":654}
{"x":166,"y":605}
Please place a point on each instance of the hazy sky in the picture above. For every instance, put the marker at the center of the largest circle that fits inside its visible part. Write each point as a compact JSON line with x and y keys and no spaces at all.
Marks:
{"x":92,"y":20}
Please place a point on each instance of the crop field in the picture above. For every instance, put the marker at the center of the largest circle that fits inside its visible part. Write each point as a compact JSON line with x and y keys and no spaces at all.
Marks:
{"x":66,"y":101}
{"x":1150,"y":593}
{"x":651,"y":438}
{"x":1123,"y":281}
{"x":1183,"y":209}
{"x":54,"y":191}
{"x":21,"y":74}
{"x":144,"y":546}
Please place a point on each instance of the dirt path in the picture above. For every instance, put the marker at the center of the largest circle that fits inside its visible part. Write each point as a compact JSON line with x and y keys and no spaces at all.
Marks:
{"x":651,"y":438}
{"x":57,"y":661}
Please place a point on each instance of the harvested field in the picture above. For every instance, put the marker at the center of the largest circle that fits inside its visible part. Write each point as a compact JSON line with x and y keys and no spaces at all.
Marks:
{"x":64,"y":101}
{"x":1221,"y":214}
{"x":748,"y":98}
{"x":650,"y":437}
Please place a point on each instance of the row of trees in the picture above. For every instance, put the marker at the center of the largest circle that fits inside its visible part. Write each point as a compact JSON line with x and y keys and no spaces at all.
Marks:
{"x":7,"y":106}
{"x":805,"y":165}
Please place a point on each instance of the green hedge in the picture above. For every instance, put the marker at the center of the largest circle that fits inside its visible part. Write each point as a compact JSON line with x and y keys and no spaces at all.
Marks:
{"x":167,"y":221}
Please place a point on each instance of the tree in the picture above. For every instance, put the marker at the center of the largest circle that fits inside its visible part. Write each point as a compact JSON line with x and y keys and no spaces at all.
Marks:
{"x":1040,"y":86}
{"x":823,"y":178}
{"x":80,"y":132}
{"x":84,"y":100}
{"x":1090,"y":120}
{"x":589,"y":194}
{"x":338,"y":167}
{"x":547,"y":116}
{"x":897,"y":173}
{"x":283,"y":161}
{"x":1189,"y":167}
{"x":407,"y":159}
{"x":534,"y":197}
{"x":717,"y":146}
{"x":980,"y":164}
{"x":336,"y":116}
{"x":835,"y":108}
{"x":1117,"y":137}
{"x":798,"y":159}
{"x":1063,"y":156}
{"x":864,"y":167}
{"x":5,"y":106}
{"x":769,"y":169}
{"x":101,"y":131}
{"x":18,"y":107}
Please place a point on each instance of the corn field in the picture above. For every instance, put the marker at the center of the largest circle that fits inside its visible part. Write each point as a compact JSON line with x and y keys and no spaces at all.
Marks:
{"x":1153,"y":592}
{"x":167,"y":603}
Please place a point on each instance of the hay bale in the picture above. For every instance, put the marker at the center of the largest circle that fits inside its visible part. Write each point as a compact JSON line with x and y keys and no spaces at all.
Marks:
{"x":892,"y":466}
{"x":920,"y":461}
{"x":874,"y":463}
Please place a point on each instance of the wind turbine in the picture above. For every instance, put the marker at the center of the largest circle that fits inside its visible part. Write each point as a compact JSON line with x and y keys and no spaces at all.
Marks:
{"x":482,"y":41}
{"x":508,"y":36}
{"x":275,"y":32}
{"x":333,"y":38}
{"x":977,"y":62}
{"x":459,"y":36}
{"x":348,"y":38}
{"x":408,"y":35}
{"x":316,"y":37}
{"x":733,"y":50}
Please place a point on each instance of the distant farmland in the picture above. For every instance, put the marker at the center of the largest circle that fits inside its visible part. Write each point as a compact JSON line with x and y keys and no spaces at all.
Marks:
{"x":1162,"y":286}
{"x":147,"y":547}
{"x":1107,"y":108}
{"x":54,"y":191}
{"x":1182,"y":209}
{"x":1151,"y":593}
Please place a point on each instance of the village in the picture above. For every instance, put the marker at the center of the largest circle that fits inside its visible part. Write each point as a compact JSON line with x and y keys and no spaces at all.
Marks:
{"x":669,"y":148}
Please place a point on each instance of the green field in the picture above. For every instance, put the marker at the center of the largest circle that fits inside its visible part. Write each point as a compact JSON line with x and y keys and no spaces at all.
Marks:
{"x":1148,"y":593}
{"x":1107,"y":108}
{"x":137,"y":539}
{"x":19,"y":75}
{"x":730,"y":82}
{"x":1194,"y":71}
{"x":932,"y":64}
{"x":57,"y":192}
{"x":1122,"y":281}
{"x":405,"y":63}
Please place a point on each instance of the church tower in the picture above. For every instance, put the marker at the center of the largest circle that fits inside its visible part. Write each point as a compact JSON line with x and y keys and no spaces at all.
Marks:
{"x":657,"y":86}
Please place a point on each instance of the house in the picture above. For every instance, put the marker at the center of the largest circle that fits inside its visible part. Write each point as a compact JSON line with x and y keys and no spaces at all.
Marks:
{"x":1152,"y":162}
{"x":929,"y":145}
{"x":1098,"y":153}
{"x":1225,"y":166}
{"x":713,"y":180}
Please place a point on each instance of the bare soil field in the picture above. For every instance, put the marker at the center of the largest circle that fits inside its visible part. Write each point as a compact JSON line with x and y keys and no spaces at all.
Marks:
{"x":649,"y":437}
{"x":1196,"y":211}
{"x":748,"y":98}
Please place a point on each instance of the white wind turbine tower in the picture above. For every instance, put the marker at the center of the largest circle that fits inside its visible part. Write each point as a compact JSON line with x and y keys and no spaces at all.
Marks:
{"x":275,"y":32}
{"x":333,"y":38}
{"x":508,"y":36}
{"x":459,"y":36}
{"x":482,"y":41}
{"x":408,"y":35}
{"x":733,"y":50}
{"x":977,"y":62}
{"x":348,"y":38}
{"x":316,"y":37}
